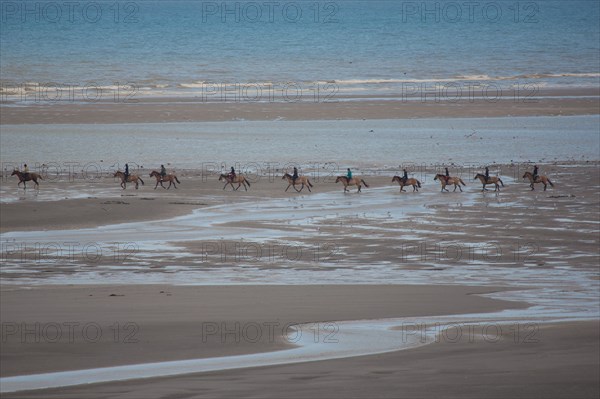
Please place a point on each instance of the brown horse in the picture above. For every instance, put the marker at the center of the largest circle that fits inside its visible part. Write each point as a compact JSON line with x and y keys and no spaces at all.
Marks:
{"x":457,"y":181}
{"x":491,"y":180}
{"x":355,"y":181}
{"x":131,"y":179}
{"x":301,"y":180}
{"x":171,"y":178}
{"x":239,"y":179}
{"x":23,"y":177}
{"x":540,"y":179}
{"x":409,"y":182}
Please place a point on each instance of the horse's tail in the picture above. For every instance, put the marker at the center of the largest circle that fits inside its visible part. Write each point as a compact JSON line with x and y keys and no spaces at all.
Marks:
{"x":501,"y":182}
{"x":418,"y":183}
{"x":176,"y":179}
{"x":365,"y":183}
{"x":461,"y":182}
{"x":141,"y":180}
{"x":550,"y":183}
{"x":309,"y":183}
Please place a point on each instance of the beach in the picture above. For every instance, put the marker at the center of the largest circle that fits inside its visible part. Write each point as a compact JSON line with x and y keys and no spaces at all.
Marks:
{"x":158,"y":267}
{"x":485,"y":287}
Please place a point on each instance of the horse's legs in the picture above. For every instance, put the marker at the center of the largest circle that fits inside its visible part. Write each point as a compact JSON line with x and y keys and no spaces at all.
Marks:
{"x":156,"y":184}
{"x":359,"y":187}
{"x":288,"y":187}
{"x":309,"y":190}
{"x":225,"y":186}
{"x":545,"y":185}
{"x":245,"y":188}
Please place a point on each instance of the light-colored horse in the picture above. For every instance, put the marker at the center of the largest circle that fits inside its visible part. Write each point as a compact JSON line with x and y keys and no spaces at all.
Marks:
{"x":131,"y":179}
{"x":239,"y":179}
{"x":457,"y":181}
{"x":409,"y":182}
{"x":24,"y":177}
{"x":355,"y":181}
{"x":540,"y":179}
{"x":303,"y":181}
{"x":491,"y":180}
{"x":171,"y":178}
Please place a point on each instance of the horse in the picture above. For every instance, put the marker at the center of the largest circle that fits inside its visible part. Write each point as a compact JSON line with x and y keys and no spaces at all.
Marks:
{"x":239,"y":179}
{"x":540,"y":179}
{"x":302,"y":180}
{"x":457,"y":181}
{"x":355,"y":181}
{"x":409,"y":182}
{"x":24,"y":177}
{"x":171,"y":178}
{"x":131,"y":179}
{"x":491,"y":180}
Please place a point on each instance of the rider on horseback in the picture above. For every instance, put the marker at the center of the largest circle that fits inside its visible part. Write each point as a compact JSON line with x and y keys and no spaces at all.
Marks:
{"x":25,"y":171}
{"x":126,"y":171}
{"x":163,"y":171}
{"x":295,"y":175}
{"x":535,"y":173}
{"x":447,"y":175}
{"x":349,"y":175}
{"x":487,"y":174}
{"x":404,"y":176}
{"x":232,"y":173}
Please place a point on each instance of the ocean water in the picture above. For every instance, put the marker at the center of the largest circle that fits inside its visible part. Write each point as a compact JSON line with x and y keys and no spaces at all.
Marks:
{"x":382,"y":46}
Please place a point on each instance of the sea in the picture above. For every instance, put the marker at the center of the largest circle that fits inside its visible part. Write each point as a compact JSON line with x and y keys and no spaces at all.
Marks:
{"x":191,"y":48}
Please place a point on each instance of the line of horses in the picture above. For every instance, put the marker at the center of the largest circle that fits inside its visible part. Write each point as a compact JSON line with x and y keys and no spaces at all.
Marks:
{"x":304,"y":181}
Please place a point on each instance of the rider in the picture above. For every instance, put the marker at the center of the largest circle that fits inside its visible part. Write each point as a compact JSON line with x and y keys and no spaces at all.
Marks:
{"x":349,"y":175}
{"x":404,"y":175}
{"x":232,"y":173}
{"x":25,"y":171}
{"x":447,"y":175}
{"x":163,"y":171}
{"x":535,"y":173}
{"x":126,"y":171}
{"x":295,"y":175}
{"x":487,"y":174}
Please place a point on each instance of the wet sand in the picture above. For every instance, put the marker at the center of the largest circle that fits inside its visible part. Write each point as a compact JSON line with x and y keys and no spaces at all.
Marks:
{"x":162,"y":110}
{"x":382,"y":239}
{"x":562,"y":363}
